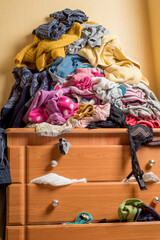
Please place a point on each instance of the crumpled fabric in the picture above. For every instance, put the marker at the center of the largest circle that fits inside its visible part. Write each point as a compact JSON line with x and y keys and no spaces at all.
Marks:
{"x":80,"y":74}
{"x":107,"y":91}
{"x":42,"y":53}
{"x":22,"y":94}
{"x":101,"y":112}
{"x":150,"y":110}
{"x":130,"y":209}
{"x":63,"y":21}
{"x":65,"y":66}
{"x":134,"y":210}
{"x":116,"y":119}
{"x":49,"y":130}
{"x":147,"y":177}
{"x":90,"y":35}
{"x":56,"y":180}
{"x":49,"y":100}
{"x":63,"y":146}
{"x":117,"y":66}
{"x":131,"y":120}
{"x":85,"y":110}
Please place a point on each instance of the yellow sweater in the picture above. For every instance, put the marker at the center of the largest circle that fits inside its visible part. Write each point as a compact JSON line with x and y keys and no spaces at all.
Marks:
{"x":42,"y":53}
{"x":117,"y":66}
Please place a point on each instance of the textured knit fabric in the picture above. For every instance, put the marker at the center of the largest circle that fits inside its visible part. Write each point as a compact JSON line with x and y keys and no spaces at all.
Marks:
{"x":46,"y":129}
{"x":115,"y":120}
{"x":130,"y":209}
{"x":138,"y":135}
{"x":5,"y":177}
{"x":147,"y":177}
{"x":63,"y":21}
{"x":117,"y":66}
{"x":42,"y":53}
{"x":23,"y":92}
{"x":90,"y":35}
{"x":85,"y":110}
{"x":101,"y":112}
{"x":56,"y":180}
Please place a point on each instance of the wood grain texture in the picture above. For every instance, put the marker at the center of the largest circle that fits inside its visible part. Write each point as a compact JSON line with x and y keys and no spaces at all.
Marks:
{"x":96,"y":163}
{"x":16,"y":204}
{"x":16,"y":157}
{"x":109,"y":231}
{"x":15,"y":233}
{"x":99,"y":199}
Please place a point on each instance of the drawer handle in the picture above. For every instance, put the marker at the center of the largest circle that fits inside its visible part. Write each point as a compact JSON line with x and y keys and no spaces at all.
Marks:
{"x":151,"y":162}
{"x":55,"y":203}
{"x":54,"y":163}
{"x":156,"y":200}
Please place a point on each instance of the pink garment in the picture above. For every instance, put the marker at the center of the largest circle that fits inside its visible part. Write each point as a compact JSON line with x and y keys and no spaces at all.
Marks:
{"x":84,"y":84}
{"x":101,"y":112}
{"x":38,"y":115}
{"x":131,"y":120}
{"x":67,"y":107}
{"x":80,"y":74}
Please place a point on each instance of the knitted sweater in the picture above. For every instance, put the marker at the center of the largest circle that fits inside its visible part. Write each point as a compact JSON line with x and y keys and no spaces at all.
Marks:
{"x":41,"y":53}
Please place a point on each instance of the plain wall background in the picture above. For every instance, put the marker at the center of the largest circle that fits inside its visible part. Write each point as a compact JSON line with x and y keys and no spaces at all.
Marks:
{"x":133,"y":20}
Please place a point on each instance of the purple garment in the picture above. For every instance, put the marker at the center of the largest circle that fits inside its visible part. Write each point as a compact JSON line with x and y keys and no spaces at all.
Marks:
{"x":48,"y":99}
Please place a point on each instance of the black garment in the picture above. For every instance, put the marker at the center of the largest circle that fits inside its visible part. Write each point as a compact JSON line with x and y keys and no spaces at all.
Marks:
{"x":5,"y":177}
{"x":138,"y":135}
{"x":116,"y":119}
{"x":148,"y":214}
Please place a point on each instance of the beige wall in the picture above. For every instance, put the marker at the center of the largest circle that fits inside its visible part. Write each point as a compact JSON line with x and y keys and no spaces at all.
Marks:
{"x":128,"y":18}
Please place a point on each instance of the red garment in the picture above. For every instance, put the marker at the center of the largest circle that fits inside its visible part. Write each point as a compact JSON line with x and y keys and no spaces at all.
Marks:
{"x":131,"y":120}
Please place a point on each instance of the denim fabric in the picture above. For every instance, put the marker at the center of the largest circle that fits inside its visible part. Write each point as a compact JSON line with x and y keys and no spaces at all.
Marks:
{"x":5,"y":177}
{"x":64,"y":66}
{"x":63,"y":21}
{"x":23,"y":92}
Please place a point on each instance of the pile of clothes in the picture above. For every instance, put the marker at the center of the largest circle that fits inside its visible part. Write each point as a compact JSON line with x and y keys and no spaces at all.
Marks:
{"x":75,"y":75}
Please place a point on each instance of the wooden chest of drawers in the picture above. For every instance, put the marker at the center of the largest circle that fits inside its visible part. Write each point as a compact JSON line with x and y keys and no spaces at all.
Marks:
{"x":103,"y":157}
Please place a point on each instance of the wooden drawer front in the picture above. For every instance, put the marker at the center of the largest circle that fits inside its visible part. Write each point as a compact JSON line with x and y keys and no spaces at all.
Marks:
{"x":16,"y":204}
{"x":99,"y":199}
{"x":145,"y":154}
{"x":16,"y":156}
{"x":109,"y":231}
{"x":15,"y":233}
{"x":96,"y":163}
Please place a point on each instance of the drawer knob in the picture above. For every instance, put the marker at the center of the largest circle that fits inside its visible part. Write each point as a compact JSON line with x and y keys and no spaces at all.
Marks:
{"x":55,"y":203}
{"x":54,"y":163}
{"x":156,"y":200}
{"x":151,"y":162}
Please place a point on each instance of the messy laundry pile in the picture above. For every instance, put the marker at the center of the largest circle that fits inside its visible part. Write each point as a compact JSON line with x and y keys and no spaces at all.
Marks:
{"x":75,"y":75}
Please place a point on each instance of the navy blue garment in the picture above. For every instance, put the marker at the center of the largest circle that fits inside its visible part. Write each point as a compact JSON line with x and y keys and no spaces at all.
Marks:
{"x":65,"y":66}
{"x":63,"y":21}
{"x":148,"y":214}
{"x":22,"y":94}
{"x":5,"y":177}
